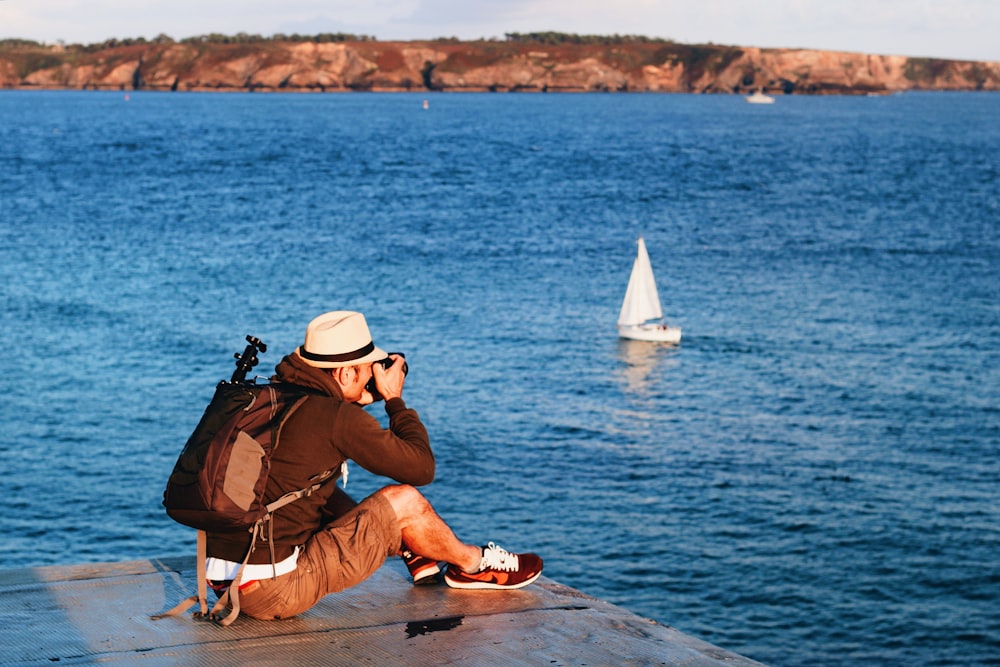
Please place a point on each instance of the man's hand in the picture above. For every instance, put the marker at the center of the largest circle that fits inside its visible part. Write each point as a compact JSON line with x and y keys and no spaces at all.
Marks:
{"x":389,"y":381}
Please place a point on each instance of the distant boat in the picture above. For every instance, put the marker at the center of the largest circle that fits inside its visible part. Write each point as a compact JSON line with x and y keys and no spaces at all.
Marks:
{"x":759,"y":98}
{"x":641,"y":317}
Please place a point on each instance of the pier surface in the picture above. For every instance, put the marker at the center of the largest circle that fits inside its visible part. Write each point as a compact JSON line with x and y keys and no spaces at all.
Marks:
{"x":100,"y":613}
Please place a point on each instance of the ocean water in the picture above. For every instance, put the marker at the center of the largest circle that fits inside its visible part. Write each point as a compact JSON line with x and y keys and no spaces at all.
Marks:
{"x":812,"y":477}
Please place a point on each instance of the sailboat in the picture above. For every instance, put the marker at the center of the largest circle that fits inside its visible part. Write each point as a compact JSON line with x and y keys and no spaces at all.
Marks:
{"x":641,"y":317}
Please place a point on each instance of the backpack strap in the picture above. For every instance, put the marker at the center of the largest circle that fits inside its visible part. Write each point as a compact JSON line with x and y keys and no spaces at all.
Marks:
{"x":202,"y":556}
{"x":264,"y":524}
{"x":202,"y":596}
{"x":231,"y":597}
{"x":292,"y":496}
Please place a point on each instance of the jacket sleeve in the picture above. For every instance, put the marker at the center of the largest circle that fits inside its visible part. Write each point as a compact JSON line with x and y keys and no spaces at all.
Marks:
{"x":402,"y":452}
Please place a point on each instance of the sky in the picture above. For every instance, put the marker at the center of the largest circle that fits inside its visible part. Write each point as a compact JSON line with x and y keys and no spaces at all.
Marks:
{"x":951,"y":29}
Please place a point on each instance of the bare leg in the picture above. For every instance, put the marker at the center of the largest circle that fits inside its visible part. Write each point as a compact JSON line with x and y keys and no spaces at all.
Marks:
{"x":340,"y":504}
{"x":425,"y":532}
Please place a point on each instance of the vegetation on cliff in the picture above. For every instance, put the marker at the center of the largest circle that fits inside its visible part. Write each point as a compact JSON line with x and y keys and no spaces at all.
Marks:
{"x":557,"y":38}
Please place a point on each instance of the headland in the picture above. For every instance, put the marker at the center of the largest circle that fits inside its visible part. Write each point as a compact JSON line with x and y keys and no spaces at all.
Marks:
{"x":547,"y":62}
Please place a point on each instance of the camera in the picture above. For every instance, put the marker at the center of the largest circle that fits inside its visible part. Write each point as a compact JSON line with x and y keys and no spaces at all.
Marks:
{"x":384,"y":363}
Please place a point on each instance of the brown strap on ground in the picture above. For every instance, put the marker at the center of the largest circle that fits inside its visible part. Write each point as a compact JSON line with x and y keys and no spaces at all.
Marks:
{"x":232,"y":595}
{"x":202,"y":596}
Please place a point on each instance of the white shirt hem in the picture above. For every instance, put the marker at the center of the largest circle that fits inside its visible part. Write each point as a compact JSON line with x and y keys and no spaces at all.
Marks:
{"x":224,"y":570}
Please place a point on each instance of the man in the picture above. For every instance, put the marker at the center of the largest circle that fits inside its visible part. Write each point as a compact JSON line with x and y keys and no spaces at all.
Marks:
{"x":325,"y":543}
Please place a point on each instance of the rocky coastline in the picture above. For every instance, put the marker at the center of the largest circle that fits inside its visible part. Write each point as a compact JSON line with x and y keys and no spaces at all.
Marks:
{"x":499,"y":66}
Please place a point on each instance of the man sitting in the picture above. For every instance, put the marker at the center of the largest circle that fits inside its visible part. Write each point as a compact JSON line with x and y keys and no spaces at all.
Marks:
{"x":325,"y":543}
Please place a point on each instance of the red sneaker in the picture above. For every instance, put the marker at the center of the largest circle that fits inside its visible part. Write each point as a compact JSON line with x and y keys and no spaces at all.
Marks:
{"x":423,"y":570}
{"x":499,"y":569}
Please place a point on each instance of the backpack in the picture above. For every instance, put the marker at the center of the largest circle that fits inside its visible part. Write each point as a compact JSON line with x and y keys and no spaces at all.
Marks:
{"x":217,"y":484}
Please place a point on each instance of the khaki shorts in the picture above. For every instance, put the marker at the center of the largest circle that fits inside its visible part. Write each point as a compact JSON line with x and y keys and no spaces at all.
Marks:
{"x":343,"y":554}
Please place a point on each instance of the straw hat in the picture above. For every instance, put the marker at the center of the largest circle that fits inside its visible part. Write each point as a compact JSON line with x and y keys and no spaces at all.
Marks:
{"x":340,"y":338}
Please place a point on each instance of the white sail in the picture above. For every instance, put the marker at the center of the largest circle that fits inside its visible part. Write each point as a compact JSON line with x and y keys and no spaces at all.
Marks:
{"x":641,"y":317}
{"x":642,"y":302}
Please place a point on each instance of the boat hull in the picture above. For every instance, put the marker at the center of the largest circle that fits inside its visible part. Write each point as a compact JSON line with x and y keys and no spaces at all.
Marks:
{"x":759,"y":98}
{"x":656,"y":333}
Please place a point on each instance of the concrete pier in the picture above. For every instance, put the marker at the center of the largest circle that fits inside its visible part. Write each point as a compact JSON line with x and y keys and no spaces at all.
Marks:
{"x":100,"y":613}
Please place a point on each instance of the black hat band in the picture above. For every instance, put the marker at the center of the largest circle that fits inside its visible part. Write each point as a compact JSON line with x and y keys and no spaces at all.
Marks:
{"x":337,"y":358}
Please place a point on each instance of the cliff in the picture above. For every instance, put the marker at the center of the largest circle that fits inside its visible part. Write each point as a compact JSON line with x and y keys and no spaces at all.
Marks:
{"x":447,"y":65}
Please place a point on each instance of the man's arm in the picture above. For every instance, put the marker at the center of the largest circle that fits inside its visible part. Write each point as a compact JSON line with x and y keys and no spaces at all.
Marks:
{"x":402,"y":452}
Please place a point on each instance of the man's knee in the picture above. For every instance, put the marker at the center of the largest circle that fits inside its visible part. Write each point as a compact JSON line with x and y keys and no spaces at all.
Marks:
{"x":406,"y":501}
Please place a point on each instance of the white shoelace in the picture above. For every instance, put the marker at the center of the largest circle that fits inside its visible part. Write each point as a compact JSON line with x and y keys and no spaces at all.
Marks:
{"x":496,"y":558}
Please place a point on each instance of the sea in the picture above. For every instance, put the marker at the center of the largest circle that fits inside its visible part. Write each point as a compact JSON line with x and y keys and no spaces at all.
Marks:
{"x":811,"y":477}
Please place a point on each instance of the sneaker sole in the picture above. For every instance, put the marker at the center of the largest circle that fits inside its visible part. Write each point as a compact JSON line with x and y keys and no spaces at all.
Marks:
{"x":431,"y":578}
{"x":488,"y":585}
{"x":427,"y":575}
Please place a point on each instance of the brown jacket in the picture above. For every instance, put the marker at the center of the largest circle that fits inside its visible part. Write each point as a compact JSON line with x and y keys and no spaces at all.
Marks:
{"x":322,"y":433}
